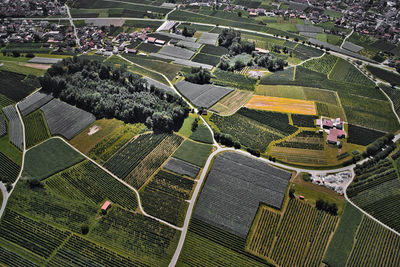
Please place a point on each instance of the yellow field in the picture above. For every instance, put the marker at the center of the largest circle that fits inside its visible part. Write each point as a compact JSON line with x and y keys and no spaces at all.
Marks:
{"x":285,"y":105}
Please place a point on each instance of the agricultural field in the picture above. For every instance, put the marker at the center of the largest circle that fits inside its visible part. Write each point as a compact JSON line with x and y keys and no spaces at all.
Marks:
{"x":3,"y":125}
{"x":193,"y":152}
{"x":9,"y":170}
{"x":153,"y":161}
{"x":202,"y":134}
{"x":299,"y":156}
{"x":330,"y":111}
{"x":66,"y":120}
{"x":182,"y":167}
{"x":387,"y":76}
{"x":15,"y":126}
{"x":374,"y":246}
{"x":22,"y":85}
{"x":231,"y":102}
{"x":165,"y":197}
{"x":234,"y":174}
{"x":343,"y":240}
{"x":323,"y":65}
{"x":49,"y":158}
{"x":126,"y":159}
{"x":301,"y":235}
{"x":87,"y":182}
{"x":248,"y":132}
{"x":5,"y":101}
{"x":212,"y":246}
{"x":285,"y":105}
{"x":35,"y":129}
{"x":369,"y":113}
{"x":104,"y":137}
{"x":304,"y":140}
{"x":394,"y":95}
{"x":362,"y":136}
{"x":202,"y":95}
{"x":133,"y":234}
{"x":206,"y":59}
{"x":148,"y":48}
{"x":304,"y":120}
{"x":280,"y":75}
{"x":33,"y":102}
{"x":344,"y":71}
{"x":214,"y":50}
{"x":233,"y":80}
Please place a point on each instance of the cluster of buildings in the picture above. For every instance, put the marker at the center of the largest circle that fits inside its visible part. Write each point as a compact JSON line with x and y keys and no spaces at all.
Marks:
{"x":334,"y":129}
{"x":31,"y":8}
{"x":99,"y":38}
{"x":51,"y":35}
{"x":336,"y":181}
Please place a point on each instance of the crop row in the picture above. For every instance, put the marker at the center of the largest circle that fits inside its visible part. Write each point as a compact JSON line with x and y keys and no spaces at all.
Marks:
{"x":374,"y":246}
{"x":125,"y":160}
{"x":15,"y":131}
{"x":3,"y":125}
{"x":36,"y":129}
{"x":40,"y":238}
{"x":78,"y":251}
{"x":363,"y":136}
{"x":386,"y":210}
{"x":274,"y":120}
{"x":305,"y":156}
{"x":369,"y":183}
{"x":153,"y":160}
{"x":136,"y":235}
{"x":301,"y":145}
{"x":302,"y":225}
{"x":344,"y":71}
{"x":91,"y":182}
{"x":10,"y":258}
{"x":304,"y":120}
{"x":323,"y":65}
{"x":233,"y":80}
{"x":9,"y":170}
{"x":5,"y":101}
{"x":261,"y":241}
{"x":20,"y":86}
{"x":165,"y":196}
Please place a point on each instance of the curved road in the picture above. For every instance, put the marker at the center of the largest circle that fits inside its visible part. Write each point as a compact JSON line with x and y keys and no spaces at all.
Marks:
{"x":209,"y":160}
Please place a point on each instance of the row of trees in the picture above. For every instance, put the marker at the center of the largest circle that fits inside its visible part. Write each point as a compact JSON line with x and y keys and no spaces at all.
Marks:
{"x":112,"y":92}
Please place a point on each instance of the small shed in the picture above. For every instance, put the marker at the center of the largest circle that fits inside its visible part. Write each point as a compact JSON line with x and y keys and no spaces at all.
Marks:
{"x":106,"y":205}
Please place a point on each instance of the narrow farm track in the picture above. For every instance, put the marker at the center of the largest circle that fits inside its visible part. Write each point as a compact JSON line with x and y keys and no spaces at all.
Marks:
{"x":199,"y":184}
{"x":219,"y":149}
{"x":345,"y":38}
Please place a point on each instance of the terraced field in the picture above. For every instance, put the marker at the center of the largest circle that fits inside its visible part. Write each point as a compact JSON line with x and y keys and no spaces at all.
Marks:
{"x":323,"y":65}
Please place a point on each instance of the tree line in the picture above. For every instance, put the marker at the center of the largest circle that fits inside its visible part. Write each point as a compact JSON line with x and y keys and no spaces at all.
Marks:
{"x":110,"y":92}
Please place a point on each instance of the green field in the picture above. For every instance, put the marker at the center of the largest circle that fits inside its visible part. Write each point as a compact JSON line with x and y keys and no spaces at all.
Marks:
{"x":165,"y":197}
{"x":202,"y":134}
{"x":49,"y":158}
{"x":206,"y":245}
{"x":193,"y":152}
{"x":168,"y":69}
{"x":342,"y":242}
{"x":186,"y":129}
{"x":323,"y":65}
{"x":88,"y":183}
{"x":369,"y":113}
{"x":234,"y":80}
{"x":344,"y":71}
{"x":36,"y":130}
{"x":387,"y":76}
{"x":301,"y":236}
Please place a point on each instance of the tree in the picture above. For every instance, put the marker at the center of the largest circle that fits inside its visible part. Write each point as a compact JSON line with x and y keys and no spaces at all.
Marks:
{"x":239,"y":14}
{"x":34,"y":182}
{"x":85,"y":229}
{"x":195,"y":124}
{"x":199,"y":76}
{"x":291,"y":193}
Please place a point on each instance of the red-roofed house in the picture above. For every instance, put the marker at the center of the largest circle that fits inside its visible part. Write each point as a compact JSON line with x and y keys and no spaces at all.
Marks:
{"x":142,"y":37}
{"x":151,"y":39}
{"x":106,"y":205}
{"x":332,"y":139}
{"x":327,"y":124}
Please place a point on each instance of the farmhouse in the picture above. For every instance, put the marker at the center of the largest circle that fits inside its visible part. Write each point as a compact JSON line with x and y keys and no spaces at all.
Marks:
{"x":106,"y":205}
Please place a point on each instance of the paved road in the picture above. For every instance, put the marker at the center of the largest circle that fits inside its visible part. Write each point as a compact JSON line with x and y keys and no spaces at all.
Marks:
{"x":73,"y":26}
